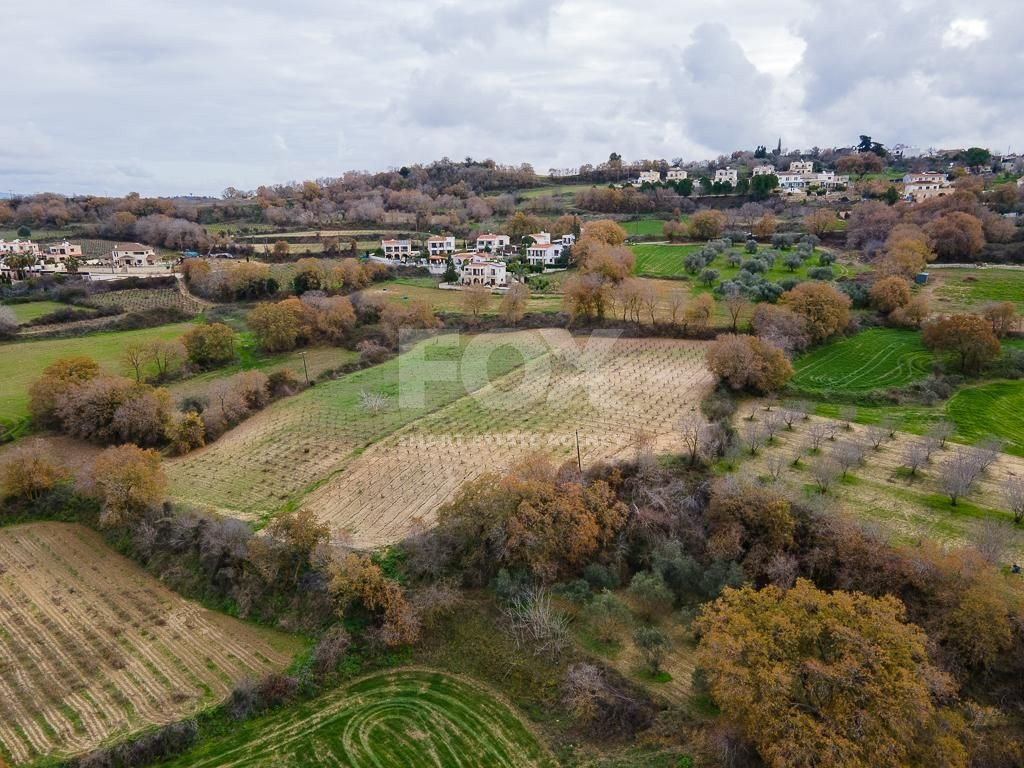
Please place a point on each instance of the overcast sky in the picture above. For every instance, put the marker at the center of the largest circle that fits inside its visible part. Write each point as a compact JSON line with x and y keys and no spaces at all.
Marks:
{"x":191,"y":96}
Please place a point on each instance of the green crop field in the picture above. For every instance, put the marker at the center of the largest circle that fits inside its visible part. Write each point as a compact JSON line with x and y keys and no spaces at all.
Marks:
{"x":407,"y":718}
{"x":878,"y":358}
{"x":22,"y":362}
{"x":29,"y":311}
{"x":663,"y":260}
{"x":971,"y":288}
{"x":648,"y":227}
{"x":990,"y":410}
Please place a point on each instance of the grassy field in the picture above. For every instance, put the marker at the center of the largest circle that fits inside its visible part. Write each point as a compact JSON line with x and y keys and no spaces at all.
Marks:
{"x":877,"y":358}
{"x":407,"y":290}
{"x":644,"y":227}
{"x":21,"y":362}
{"x":972,"y":288}
{"x":558,"y":189}
{"x":411,"y":718}
{"x":994,"y":409}
{"x":29,"y":311}
{"x":92,"y":646}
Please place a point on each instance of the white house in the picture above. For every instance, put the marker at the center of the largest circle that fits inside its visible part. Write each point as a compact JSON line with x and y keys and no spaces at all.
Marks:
{"x":803,"y":167}
{"x":676,"y":174}
{"x":133,"y":255}
{"x":763,"y":170}
{"x":541,"y":238}
{"x":396,"y":249}
{"x":727,"y":174}
{"x":492,"y":242}
{"x":648,"y":177}
{"x":792,"y":183}
{"x":568,"y":240}
{"x":18,"y":247}
{"x":61,"y":252}
{"x":440,"y":245}
{"x":546,"y":255}
{"x":479,"y":270}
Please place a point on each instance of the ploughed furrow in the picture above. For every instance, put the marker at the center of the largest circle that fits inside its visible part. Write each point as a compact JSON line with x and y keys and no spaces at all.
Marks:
{"x":92,"y":646}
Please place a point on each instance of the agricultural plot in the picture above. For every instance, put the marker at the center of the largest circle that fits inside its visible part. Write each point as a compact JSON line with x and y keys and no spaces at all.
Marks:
{"x":29,"y":311}
{"x":970,"y":289}
{"x":995,"y":409}
{"x":377,"y":478}
{"x":877,"y":358}
{"x":142,"y":299}
{"x":644,"y":227}
{"x":667,"y":260}
{"x":425,"y":289}
{"x":92,"y":647}
{"x":882,"y":491}
{"x":397,"y":484}
{"x":22,"y":362}
{"x":410,"y":718}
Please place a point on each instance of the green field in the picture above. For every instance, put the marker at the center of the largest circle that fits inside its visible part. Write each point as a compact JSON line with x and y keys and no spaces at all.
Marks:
{"x":659,"y":260}
{"x":878,"y":358}
{"x":407,"y":718}
{"x":29,"y":311}
{"x":558,"y":189}
{"x":990,"y":410}
{"x":644,"y":227}
{"x":972,"y":288}
{"x":22,"y":362}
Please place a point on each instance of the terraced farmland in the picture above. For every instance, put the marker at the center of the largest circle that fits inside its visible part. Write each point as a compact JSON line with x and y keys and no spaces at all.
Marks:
{"x":408,"y":718}
{"x":141,"y":299}
{"x":378,"y":478}
{"x":92,"y":646}
{"x":878,"y":358}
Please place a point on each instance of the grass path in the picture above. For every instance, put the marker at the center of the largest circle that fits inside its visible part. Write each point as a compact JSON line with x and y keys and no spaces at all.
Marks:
{"x":407,"y":717}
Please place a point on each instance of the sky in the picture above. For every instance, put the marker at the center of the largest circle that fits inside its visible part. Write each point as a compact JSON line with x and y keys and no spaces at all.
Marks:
{"x":168,"y":97}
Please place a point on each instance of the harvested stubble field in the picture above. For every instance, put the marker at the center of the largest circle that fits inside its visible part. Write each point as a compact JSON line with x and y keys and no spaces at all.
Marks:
{"x":92,"y":646}
{"x":378,"y":478}
{"x":409,"y":718}
{"x":881,"y":490}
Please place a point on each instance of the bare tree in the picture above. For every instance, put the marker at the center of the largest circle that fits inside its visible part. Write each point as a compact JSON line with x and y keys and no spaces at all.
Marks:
{"x":960,"y":472}
{"x":535,"y":624}
{"x":782,"y":570}
{"x":825,"y":472}
{"x":847,"y":455}
{"x":818,"y":431}
{"x":1014,"y":492}
{"x":988,"y":450}
{"x":915,"y":455}
{"x":134,"y":358}
{"x":992,"y":539}
{"x":804,"y":407}
{"x":876,"y":435}
{"x":771,"y":422}
{"x":776,"y":466}
{"x":941,"y":431}
{"x":649,"y":298}
{"x":753,"y":437}
{"x":890,"y":424}
{"x":847,"y":415}
{"x":373,"y":402}
{"x":693,"y":430}
{"x":676,"y":304}
{"x":736,"y":304}
{"x":789,"y":417}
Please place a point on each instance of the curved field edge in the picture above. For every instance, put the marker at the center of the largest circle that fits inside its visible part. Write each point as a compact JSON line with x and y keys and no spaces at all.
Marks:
{"x":876,"y":358}
{"x":410,"y":717}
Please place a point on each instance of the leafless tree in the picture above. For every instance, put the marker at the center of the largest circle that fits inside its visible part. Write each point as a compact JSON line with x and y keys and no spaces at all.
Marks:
{"x":825,"y":472}
{"x":676,"y":303}
{"x":988,"y":450}
{"x":782,"y":570}
{"x":915,"y":455}
{"x":804,"y":408}
{"x":373,"y":402}
{"x":771,"y":422}
{"x":890,"y":424}
{"x":818,"y":432}
{"x":941,"y":431}
{"x":536,"y":625}
{"x":776,"y":465}
{"x":992,"y":539}
{"x":1014,"y":490}
{"x":753,"y":437}
{"x":789,"y":417}
{"x":876,"y":435}
{"x":847,"y":415}
{"x":693,"y":430}
{"x":847,"y":455}
{"x":960,"y":472}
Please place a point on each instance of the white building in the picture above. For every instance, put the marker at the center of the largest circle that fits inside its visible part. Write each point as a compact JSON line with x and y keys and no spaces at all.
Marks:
{"x":548,"y":254}
{"x":676,"y":174}
{"x":18,"y":247}
{"x":803,"y":167}
{"x":541,"y":238}
{"x":648,"y":177}
{"x":133,"y":255}
{"x":438,"y":246}
{"x":479,"y":270}
{"x":793,"y":183}
{"x":764,"y":170}
{"x":396,"y":249}
{"x":492,"y":242}
{"x":925,"y":185}
{"x":61,"y":252}
{"x":727,"y":174}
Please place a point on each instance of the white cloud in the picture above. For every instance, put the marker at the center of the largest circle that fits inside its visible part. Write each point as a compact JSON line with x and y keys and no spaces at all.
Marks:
{"x":176,"y":96}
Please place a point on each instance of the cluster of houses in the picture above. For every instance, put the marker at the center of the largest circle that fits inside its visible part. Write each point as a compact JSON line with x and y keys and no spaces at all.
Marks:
{"x":800,"y":177}
{"x":487,"y":264}
{"x":64,"y":257}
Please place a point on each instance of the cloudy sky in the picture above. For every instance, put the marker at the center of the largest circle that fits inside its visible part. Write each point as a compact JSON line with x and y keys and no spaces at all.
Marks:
{"x":191,"y":96}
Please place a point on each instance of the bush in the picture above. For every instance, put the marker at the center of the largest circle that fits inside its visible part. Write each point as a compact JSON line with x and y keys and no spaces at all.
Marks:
{"x":820,"y":273}
{"x":601,"y":576}
{"x":29,"y":471}
{"x":210,"y":345}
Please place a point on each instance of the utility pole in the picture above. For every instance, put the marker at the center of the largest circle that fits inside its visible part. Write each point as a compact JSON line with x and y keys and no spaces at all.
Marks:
{"x":305,"y":370}
{"x":579,"y":460}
